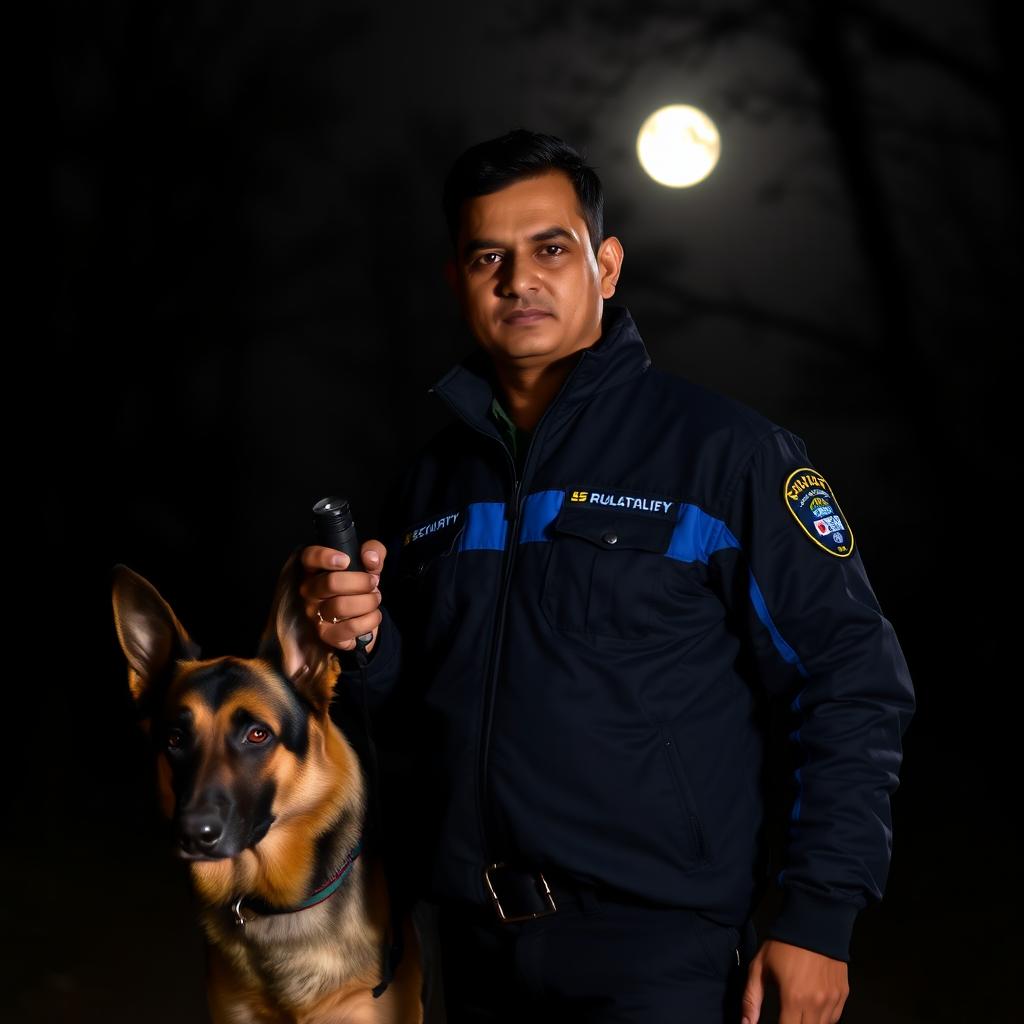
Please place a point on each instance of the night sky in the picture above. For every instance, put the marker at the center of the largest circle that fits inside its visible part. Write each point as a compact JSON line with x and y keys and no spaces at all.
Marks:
{"x":245,"y":307}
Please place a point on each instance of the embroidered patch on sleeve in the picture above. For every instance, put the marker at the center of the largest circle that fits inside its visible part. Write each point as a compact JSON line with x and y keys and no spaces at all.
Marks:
{"x":810,"y":499}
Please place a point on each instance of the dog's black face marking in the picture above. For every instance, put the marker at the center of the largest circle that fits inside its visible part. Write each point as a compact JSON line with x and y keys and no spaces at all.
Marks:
{"x":251,"y":735}
{"x":215,"y":684}
{"x":294,"y":728}
{"x":219,"y":683}
{"x":178,"y":739}
{"x":175,"y":733}
{"x":220,"y":728}
{"x":263,"y":816}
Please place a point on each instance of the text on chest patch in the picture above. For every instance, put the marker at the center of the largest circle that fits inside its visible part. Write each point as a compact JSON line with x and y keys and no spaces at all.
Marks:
{"x":432,"y":527}
{"x":639,"y":504}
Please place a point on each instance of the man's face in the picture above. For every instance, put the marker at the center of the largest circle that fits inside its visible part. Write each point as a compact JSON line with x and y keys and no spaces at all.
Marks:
{"x":527,"y":247}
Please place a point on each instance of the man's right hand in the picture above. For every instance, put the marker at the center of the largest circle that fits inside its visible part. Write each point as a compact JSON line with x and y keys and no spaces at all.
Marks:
{"x":353,"y":598}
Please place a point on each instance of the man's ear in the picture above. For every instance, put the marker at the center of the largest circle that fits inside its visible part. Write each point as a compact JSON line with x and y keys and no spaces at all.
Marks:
{"x":291,"y":643}
{"x":148,"y":631}
{"x":609,"y":265}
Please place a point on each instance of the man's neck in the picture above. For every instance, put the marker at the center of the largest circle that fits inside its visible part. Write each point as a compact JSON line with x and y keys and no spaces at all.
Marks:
{"x":525,"y":395}
{"x":525,"y":392}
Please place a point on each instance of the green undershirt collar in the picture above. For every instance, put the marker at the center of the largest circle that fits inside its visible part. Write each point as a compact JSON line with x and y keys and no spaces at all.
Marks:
{"x":518,"y":439}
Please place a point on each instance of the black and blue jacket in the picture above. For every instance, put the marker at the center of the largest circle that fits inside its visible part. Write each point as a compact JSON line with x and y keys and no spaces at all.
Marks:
{"x":587,"y":648}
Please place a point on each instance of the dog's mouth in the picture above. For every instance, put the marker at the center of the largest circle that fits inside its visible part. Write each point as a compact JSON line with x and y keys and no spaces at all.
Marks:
{"x":187,"y":855}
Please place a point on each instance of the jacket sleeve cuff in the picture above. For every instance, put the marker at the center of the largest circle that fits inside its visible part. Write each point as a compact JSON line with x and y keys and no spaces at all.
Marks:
{"x":379,"y":660}
{"x":815,"y":923}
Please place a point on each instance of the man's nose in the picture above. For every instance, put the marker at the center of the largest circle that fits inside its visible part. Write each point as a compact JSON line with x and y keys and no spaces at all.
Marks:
{"x":518,"y":277}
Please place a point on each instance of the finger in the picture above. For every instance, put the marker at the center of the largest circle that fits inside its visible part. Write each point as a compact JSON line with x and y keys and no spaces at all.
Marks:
{"x":338,"y":609}
{"x":373,"y":554}
{"x":337,"y":584}
{"x":343,"y":634}
{"x":345,"y":608}
{"x":316,"y":556}
{"x":753,"y":994}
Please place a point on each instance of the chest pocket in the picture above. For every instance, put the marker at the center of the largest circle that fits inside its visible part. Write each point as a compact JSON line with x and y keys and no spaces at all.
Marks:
{"x":425,"y":578}
{"x":604,"y":576}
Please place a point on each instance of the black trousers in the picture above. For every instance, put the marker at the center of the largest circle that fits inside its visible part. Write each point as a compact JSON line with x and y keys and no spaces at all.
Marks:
{"x":597,"y":960}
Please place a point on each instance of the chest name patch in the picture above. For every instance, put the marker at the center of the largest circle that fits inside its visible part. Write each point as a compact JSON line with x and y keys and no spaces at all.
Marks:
{"x":627,"y":501}
{"x":813,"y":505}
{"x":424,"y":531}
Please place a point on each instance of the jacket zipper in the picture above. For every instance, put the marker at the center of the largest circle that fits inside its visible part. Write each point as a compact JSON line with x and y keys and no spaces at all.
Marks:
{"x":493,"y":657}
{"x":483,"y":798}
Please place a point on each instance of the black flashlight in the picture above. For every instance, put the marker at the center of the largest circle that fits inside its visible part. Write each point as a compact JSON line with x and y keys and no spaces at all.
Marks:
{"x":332,"y":523}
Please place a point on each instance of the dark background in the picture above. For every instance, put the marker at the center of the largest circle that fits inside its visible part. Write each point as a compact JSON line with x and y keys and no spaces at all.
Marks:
{"x":246,"y":307}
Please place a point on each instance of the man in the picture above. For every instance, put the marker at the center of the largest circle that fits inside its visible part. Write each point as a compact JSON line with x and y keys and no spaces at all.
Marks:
{"x":596,"y":580}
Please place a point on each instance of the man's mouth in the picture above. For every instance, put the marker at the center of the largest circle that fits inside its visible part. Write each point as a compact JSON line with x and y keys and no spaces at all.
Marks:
{"x":526,"y":316}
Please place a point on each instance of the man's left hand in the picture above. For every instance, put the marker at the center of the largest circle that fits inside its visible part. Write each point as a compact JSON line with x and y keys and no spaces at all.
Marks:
{"x":813,"y":988}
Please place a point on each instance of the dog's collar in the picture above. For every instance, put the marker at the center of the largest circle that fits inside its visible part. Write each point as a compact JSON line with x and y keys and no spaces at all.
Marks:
{"x":325,"y":892}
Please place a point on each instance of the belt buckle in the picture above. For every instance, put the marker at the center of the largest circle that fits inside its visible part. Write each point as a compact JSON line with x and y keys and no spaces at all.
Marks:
{"x":509,"y":918}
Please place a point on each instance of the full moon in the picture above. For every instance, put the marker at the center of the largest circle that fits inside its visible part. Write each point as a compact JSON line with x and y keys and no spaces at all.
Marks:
{"x":678,"y":146}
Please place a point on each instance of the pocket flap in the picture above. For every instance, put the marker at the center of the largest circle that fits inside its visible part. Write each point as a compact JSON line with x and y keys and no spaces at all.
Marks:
{"x":610,"y":530}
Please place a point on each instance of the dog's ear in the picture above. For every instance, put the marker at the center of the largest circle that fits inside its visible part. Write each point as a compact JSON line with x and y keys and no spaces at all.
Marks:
{"x":149,"y":632}
{"x":291,"y":643}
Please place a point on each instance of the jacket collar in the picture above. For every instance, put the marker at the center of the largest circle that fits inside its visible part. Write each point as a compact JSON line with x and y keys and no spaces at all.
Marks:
{"x":616,"y":357}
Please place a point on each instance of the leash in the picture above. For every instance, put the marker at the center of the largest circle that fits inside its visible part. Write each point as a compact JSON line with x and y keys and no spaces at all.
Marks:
{"x":392,"y":951}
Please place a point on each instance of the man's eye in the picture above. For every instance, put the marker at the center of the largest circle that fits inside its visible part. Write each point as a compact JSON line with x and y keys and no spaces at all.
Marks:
{"x":558,"y":247}
{"x":483,"y":259}
{"x":257,"y":734}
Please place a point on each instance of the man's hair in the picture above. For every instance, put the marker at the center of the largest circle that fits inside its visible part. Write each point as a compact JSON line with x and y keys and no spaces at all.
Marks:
{"x":518,"y":154}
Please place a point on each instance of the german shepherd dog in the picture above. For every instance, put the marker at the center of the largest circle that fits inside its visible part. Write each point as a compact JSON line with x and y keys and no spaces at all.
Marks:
{"x":268,"y":801}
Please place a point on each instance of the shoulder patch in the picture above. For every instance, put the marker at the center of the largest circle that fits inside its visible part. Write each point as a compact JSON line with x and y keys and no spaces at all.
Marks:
{"x":810,"y":499}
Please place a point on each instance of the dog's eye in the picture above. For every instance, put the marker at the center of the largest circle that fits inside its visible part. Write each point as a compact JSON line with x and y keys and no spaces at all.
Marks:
{"x":175,"y":739}
{"x":257,"y":734}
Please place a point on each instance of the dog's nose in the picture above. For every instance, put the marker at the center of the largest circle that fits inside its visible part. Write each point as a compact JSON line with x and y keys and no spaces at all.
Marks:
{"x":201,"y":830}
